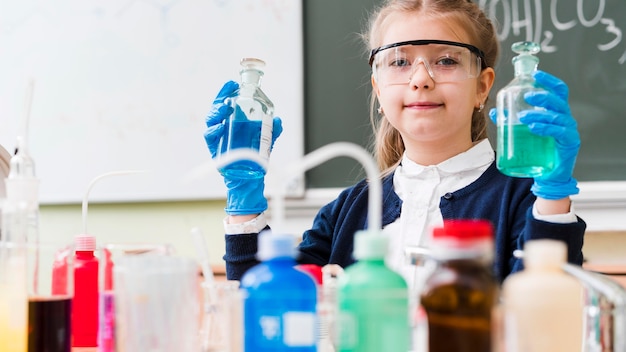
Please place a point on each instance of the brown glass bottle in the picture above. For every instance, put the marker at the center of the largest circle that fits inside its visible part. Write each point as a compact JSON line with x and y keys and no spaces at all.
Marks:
{"x":461,"y":294}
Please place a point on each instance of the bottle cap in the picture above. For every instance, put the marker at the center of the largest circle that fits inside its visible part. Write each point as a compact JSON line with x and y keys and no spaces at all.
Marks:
{"x":463,"y":236}
{"x":314,"y":270}
{"x":85,"y":243}
{"x":275,"y":245}
{"x":461,"y":233}
{"x":251,"y":70}
{"x":370,"y":245}
{"x":544,"y":253}
{"x":526,"y":62}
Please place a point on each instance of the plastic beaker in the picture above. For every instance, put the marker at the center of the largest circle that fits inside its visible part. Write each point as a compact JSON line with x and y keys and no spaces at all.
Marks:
{"x":222,"y":324}
{"x":156,"y":303}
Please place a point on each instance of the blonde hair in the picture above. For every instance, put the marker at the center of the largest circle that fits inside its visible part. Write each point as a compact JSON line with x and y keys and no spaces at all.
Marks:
{"x":387,"y":144}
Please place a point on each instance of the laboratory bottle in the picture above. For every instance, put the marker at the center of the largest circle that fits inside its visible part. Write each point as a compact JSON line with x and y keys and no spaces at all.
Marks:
{"x":542,"y":306}
{"x":521,"y":153}
{"x":20,"y":211}
{"x":373,"y":301}
{"x":279,"y":300}
{"x":86,"y":293}
{"x":327,"y":307}
{"x":250,"y":125}
{"x":460,"y":295}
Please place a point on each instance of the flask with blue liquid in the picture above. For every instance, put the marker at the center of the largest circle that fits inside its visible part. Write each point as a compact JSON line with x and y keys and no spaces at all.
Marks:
{"x":250,"y":125}
{"x":521,"y":153}
{"x":279,"y":300}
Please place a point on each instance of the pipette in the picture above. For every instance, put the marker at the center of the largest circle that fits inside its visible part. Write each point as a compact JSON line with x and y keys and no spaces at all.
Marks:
{"x":205,"y":265}
{"x":93,"y":182}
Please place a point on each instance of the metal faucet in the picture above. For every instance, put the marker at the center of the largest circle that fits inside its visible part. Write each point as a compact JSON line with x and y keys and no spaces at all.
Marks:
{"x":604,"y":304}
{"x":605,"y":311}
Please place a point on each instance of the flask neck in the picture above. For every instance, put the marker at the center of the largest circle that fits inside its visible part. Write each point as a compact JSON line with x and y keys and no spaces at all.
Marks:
{"x":525,"y":65}
{"x":251,"y":77}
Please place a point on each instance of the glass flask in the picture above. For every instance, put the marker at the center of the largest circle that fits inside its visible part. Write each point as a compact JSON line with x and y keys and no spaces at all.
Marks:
{"x":521,"y":153}
{"x":250,"y":125}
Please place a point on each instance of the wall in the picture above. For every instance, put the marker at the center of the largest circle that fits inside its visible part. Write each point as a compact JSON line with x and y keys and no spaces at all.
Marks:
{"x":171,"y":222}
{"x":601,"y":204}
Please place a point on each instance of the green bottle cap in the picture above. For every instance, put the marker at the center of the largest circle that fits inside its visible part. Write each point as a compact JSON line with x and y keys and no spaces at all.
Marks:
{"x":370,"y":245}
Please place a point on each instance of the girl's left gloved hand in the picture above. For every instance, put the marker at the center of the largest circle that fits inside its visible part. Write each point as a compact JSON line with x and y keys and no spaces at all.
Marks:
{"x":555,"y":121}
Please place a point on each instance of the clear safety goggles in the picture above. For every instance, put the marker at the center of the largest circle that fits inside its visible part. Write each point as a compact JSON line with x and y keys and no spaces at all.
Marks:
{"x":445,"y":61}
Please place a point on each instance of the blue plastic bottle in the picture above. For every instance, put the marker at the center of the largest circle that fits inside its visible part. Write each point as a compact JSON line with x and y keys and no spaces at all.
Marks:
{"x":279,"y":301}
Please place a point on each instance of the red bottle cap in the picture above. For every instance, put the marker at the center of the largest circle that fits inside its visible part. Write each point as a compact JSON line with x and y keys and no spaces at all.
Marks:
{"x":314,"y":270}
{"x":462,"y":233}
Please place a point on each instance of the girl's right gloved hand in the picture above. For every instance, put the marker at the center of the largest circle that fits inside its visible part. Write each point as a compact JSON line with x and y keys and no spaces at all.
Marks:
{"x":244,"y":196}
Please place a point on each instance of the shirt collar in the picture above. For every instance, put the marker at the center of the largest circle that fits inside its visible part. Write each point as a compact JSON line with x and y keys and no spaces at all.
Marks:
{"x":478,"y":156}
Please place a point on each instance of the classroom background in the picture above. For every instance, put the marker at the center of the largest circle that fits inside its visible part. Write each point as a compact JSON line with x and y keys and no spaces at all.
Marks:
{"x":126,"y":86}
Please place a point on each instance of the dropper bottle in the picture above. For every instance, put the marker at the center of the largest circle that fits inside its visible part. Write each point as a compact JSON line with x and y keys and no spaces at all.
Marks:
{"x":373,"y":301}
{"x":280,"y":301}
{"x":250,"y":125}
{"x":521,"y":153}
{"x":20,"y":215}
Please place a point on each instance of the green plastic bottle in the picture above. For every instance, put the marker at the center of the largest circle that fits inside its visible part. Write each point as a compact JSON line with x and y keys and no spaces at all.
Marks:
{"x":521,"y":153}
{"x":373,"y":301}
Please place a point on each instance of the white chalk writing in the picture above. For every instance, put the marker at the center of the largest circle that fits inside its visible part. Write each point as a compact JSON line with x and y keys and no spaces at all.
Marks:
{"x":525,"y":18}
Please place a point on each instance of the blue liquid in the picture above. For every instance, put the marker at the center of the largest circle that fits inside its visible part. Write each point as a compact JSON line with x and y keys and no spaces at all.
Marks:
{"x":241,"y":133}
{"x":522,"y":153}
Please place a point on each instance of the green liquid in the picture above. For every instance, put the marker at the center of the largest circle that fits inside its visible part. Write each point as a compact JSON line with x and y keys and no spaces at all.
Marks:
{"x":373,"y":309}
{"x":522,"y":153}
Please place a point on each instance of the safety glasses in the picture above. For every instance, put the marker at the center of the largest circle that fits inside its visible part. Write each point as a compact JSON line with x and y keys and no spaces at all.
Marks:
{"x":445,"y":61}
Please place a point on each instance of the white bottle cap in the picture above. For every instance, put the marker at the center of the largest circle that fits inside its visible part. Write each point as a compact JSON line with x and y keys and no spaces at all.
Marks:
{"x":544,"y":253}
{"x":86,"y":243}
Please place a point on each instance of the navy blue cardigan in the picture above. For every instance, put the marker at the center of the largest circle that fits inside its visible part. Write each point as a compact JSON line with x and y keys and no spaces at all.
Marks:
{"x":505,"y":201}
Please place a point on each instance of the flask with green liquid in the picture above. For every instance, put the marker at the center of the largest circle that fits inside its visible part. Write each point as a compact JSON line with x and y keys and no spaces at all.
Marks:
{"x":521,"y":153}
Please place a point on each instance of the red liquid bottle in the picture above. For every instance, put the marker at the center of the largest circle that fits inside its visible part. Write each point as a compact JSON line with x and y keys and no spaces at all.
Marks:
{"x":85,"y":304}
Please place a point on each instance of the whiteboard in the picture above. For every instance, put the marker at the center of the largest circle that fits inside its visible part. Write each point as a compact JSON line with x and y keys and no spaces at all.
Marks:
{"x":126,"y":85}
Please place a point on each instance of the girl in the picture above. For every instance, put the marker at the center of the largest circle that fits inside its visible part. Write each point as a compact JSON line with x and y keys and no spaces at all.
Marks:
{"x":432,"y":71}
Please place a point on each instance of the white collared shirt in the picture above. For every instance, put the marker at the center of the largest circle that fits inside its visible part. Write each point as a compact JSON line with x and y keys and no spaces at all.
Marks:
{"x":421,"y":188}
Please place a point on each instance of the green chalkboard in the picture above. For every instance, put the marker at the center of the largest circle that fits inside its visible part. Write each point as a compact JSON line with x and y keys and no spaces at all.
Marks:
{"x":583,"y":43}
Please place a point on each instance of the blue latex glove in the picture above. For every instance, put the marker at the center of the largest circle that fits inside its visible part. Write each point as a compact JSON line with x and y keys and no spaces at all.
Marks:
{"x":556,"y":121}
{"x":244,"y":196}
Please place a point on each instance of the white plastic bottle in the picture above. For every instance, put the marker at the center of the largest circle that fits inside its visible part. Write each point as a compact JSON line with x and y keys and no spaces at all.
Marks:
{"x":20,"y":213}
{"x":542,"y":305}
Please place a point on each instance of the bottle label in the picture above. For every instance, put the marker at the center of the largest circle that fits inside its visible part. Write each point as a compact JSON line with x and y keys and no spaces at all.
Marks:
{"x":291,"y":329}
